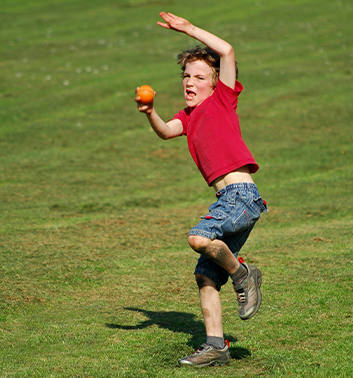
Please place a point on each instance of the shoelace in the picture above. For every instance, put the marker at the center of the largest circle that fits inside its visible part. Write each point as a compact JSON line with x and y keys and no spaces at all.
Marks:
{"x":199,"y":349}
{"x":240,"y":293}
{"x":241,"y":297}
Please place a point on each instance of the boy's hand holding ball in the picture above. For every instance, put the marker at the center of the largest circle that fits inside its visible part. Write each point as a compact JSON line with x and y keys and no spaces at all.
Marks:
{"x":144,"y":98}
{"x":146,"y":94}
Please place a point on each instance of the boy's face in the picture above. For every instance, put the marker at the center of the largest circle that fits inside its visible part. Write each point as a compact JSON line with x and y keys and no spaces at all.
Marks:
{"x":197,"y":82}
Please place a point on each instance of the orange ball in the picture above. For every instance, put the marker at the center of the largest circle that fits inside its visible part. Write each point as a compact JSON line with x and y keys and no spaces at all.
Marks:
{"x":146,"y":94}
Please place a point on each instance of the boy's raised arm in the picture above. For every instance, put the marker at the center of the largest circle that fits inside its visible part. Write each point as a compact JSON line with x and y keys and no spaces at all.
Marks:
{"x":227,"y":72}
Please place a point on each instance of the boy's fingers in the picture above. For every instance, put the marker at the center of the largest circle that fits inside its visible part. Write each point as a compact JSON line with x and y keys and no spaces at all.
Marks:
{"x":164,"y":16}
{"x":167,"y":17}
{"x":163,"y":25}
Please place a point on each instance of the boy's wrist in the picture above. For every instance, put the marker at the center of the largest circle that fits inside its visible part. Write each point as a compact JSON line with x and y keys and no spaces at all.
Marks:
{"x":149,"y":112}
{"x":191,"y":30}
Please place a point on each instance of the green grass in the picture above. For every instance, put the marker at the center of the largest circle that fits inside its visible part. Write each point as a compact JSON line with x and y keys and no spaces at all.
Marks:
{"x":96,"y":272}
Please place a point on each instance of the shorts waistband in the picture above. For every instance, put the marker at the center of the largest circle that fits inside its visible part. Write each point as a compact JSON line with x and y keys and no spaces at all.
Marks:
{"x":240,"y":186}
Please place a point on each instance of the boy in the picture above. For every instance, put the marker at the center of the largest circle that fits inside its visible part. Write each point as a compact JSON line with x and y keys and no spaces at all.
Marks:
{"x":215,"y":143}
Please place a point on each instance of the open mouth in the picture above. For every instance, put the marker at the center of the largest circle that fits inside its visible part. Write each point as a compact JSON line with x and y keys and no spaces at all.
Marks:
{"x":190,"y":95}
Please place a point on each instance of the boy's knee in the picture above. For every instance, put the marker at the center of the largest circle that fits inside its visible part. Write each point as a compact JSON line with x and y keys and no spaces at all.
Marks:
{"x":198,"y":243}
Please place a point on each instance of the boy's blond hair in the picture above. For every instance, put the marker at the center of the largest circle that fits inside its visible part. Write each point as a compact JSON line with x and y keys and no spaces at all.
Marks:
{"x":207,"y":55}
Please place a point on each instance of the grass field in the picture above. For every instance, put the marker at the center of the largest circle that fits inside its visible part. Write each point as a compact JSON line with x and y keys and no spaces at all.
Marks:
{"x":96,"y":275}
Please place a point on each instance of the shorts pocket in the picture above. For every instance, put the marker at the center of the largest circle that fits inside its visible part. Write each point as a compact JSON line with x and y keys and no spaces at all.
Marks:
{"x":253,"y":210}
{"x":261,"y":204}
{"x":218,"y":223}
{"x":216,"y":214}
{"x":245,"y":220}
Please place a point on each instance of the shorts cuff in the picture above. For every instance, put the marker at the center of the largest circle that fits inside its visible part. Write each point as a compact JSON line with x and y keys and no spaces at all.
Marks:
{"x":207,"y":274}
{"x":205,"y":234}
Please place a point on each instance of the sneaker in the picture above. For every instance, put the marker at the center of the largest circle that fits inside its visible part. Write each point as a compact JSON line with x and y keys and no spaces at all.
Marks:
{"x":248,"y":292}
{"x":207,"y":355}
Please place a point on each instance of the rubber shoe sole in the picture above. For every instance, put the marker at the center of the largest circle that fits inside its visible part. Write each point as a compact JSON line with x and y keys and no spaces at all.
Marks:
{"x":206,"y":355}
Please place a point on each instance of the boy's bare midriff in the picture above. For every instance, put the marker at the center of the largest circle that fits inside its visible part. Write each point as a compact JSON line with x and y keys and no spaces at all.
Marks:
{"x":240,"y":175}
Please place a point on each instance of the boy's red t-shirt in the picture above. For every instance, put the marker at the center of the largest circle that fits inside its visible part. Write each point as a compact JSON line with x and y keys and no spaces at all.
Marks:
{"x":214,"y":136}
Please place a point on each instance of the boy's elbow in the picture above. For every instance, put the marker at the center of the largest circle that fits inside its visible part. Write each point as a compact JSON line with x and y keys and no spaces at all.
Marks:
{"x":229,"y":51}
{"x":164,"y":136}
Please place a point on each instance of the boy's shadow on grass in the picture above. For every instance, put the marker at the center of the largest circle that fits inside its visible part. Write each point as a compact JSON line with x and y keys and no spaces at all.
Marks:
{"x":180,"y":322}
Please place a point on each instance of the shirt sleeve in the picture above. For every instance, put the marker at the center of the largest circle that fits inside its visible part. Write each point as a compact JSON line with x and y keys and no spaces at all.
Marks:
{"x":228,"y":96}
{"x":184,"y":118}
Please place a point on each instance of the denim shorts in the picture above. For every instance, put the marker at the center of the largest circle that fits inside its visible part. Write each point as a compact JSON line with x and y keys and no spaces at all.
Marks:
{"x":231,"y":219}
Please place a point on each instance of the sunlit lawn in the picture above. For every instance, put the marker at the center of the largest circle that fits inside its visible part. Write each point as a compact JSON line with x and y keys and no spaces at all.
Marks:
{"x":96,"y":272}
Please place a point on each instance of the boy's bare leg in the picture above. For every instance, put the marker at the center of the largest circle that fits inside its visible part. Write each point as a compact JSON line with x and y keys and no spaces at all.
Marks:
{"x":215,"y":250}
{"x":246,"y":278}
{"x":209,"y":354}
{"x":210,"y":305}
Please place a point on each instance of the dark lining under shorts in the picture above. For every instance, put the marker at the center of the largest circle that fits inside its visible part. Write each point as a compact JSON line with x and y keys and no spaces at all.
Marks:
{"x":230,"y":219}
